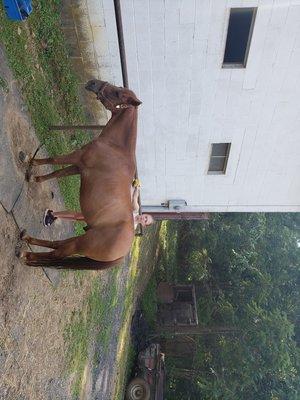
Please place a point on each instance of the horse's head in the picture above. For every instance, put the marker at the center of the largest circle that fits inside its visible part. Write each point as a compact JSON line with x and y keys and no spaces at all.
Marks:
{"x":112,"y":97}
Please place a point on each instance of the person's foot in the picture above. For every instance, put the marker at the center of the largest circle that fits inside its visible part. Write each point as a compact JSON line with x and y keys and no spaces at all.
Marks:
{"x":48,"y":218}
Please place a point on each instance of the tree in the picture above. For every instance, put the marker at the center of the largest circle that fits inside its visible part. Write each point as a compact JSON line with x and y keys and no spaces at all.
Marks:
{"x":247,"y":269}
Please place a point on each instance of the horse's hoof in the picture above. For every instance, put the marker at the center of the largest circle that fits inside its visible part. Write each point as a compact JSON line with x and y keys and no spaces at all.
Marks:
{"x":28,"y":175}
{"x":20,"y":254}
{"x":23,"y":255}
{"x":24,"y":158}
{"x":17,"y":252}
{"x":23,"y":235}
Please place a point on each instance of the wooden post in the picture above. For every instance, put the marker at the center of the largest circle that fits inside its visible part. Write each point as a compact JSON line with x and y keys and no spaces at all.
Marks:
{"x":73,"y":127}
{"x":195,"y":330}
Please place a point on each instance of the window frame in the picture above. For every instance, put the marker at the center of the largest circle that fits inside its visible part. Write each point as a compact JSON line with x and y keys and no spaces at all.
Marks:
{"x":243,"y":64}
{"x":226,"y":157}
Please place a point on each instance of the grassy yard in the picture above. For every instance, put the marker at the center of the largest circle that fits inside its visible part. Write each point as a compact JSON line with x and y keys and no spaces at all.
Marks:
{"x":152,"y":260}
{"x":143,"y":260}
{"x":94,"y":323}
{"x":91,"y":323}
{"x":168,"y":237}
{"x":37,"y":55}
{"x":38,"y":58}
{"x":166,"y":270}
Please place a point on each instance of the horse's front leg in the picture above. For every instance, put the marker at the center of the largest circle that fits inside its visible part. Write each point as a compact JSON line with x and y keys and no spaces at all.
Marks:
{"x":71,"y":170}
{"x":72,"y":158}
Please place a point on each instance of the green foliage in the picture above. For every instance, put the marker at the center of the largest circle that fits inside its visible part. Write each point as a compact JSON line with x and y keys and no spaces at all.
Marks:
{"x":142,"y":261}
{"x":168,"y":252}
{"x":198,"y":265}
{"x":246,"y":268}
{"x":3,"y":85}
{"x":149,"y":302}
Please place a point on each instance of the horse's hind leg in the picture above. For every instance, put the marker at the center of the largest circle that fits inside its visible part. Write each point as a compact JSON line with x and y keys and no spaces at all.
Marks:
{"x":33,"y":259}
{"x":51,"y":244}
{"x":64,"y":248}
{"x":71,"y":170}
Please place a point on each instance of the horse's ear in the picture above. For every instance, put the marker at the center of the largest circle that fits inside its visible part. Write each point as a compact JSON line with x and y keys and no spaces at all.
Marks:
{"x":133,"y":100}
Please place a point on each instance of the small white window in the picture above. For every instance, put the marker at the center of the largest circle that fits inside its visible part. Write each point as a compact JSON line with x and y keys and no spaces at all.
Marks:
{"x":219,"y":158}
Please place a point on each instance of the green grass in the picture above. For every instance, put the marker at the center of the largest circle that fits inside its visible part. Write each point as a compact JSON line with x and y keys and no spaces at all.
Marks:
{"x":91,"y":323}
{"x":149,"y":302}
{"x":3,"y":85}
{"x":168,"y":237}
{"x":124,"y":361}
{"x":143,"y":257}
{"x":165,"y":270}
{"x":95,"y":314}
{"x":37,"y":55}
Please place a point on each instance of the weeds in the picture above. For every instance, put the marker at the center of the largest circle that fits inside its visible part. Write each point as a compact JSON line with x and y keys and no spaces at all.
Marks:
{"x":90,"y":324}
{"x":38,"y":57}
{"x":143,"y":258}
{"x":4,"y":85}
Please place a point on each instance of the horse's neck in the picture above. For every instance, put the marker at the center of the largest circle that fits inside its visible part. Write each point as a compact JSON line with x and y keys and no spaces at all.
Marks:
{"x":121,"y":129}
{"x":123,"y":115}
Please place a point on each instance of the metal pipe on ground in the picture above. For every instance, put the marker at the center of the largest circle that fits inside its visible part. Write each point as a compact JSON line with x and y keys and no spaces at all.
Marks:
{"x":73,"y":127}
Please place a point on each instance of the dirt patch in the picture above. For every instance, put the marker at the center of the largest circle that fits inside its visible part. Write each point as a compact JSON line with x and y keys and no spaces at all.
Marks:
{"x":33,"y":315}
{"x":36,"y":306}
{"x":33,"y":309}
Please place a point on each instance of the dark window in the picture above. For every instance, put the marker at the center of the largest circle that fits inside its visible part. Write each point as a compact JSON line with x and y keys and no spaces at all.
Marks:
{"x":219,"y":158}
{"x":240,"y":28}
{"x":184,"y":295}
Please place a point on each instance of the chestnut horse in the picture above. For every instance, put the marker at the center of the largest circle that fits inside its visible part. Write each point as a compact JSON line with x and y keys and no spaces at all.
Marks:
{"x":106,"y":167}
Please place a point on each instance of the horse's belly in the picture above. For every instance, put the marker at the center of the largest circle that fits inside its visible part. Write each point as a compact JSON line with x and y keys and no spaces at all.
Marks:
{"x":102,"y":197}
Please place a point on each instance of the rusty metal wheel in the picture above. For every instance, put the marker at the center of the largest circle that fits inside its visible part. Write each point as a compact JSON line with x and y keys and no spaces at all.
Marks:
{"x":138,"y":389}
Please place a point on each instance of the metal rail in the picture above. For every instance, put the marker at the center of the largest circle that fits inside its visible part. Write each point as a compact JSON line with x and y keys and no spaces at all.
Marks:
{"x":122,"y":52}
{"x":118,"y":14}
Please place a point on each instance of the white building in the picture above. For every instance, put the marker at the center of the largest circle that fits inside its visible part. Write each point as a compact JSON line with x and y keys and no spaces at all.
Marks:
{"x":221,"y":133}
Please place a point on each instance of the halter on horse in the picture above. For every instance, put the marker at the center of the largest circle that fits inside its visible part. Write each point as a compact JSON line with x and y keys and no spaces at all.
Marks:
{"x":106,"y":167}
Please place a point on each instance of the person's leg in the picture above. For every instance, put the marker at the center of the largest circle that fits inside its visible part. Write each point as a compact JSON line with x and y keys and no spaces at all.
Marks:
{"x":75,"y":216}
{"x":50,"y":216}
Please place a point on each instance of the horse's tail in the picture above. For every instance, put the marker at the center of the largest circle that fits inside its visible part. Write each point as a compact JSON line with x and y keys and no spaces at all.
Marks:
{"x":74,"y":263}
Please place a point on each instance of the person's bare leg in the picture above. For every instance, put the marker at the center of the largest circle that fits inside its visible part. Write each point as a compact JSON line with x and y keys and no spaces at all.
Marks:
{"x":71,"y":215}
{"x":50,"y":216}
